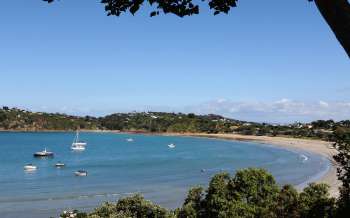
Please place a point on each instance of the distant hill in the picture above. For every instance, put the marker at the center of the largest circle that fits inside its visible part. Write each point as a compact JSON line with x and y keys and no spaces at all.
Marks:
{"x":14,"y":119}
{"x":18,"y":119}
{"x":23,"y":120}
{"x":168,"y":122}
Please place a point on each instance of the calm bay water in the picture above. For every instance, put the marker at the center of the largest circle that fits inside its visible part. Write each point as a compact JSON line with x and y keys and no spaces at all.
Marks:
{"x":118,"y":168}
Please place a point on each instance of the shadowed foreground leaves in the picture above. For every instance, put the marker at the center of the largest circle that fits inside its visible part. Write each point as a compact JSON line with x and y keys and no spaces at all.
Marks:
{"x":342,"y":144}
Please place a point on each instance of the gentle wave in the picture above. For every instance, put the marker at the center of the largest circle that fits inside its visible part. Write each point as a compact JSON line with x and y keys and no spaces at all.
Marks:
{"x":72,"y":197}
{"x":304,"y":158}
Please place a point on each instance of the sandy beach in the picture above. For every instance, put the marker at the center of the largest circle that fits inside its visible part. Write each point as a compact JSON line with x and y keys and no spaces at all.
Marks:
{"x":315,"y":146}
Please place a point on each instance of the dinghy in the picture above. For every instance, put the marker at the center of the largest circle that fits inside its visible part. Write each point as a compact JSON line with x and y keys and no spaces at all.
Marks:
{"x":81,"y":173}
{"x":171,"y":145}
{"x":59,"y":165}
{"x":30,"y":167}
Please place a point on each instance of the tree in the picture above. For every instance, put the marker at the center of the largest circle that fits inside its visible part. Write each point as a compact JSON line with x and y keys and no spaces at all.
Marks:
{"x":256,"y":188}
{"x":216,"y":200}
{"x":335,"y":12}
{"x":342,"y":144}
{"x":315,"y":201}
{"x":3,"y":116}
{"x":193,"y":206}
{"x":250,"y":193}
{"x":134,"y":206}
{"x":287,"y":203}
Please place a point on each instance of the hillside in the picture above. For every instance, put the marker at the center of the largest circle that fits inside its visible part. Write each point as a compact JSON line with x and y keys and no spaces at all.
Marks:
{"x":22,"y":120}
{"x":14,"y":119}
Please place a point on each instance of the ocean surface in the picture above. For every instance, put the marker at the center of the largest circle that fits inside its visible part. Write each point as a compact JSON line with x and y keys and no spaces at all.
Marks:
{"x":117,"y":168}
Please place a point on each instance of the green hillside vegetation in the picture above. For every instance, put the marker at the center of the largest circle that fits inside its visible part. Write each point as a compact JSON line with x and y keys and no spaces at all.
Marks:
{"x":160,"y":122}
{"x":167,"y":122}
{"x":17,"y":119}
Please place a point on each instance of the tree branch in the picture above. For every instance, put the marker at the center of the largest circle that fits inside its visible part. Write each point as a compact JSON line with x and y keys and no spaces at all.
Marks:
{"x":337,"y":15}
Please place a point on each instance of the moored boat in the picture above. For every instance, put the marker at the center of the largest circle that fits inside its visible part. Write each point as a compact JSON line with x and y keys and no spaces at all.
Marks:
{"x":59,"y":165}
{"x":30,"y":167}
{"x":81,"y":173}
{"x":171,"y":145}
{"x":78,"y":148}
{"x":78,"y":145}
{"x":43,"y":153}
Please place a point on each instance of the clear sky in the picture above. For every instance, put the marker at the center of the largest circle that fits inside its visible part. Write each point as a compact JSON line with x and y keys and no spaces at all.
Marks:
{"x":269,"y":60}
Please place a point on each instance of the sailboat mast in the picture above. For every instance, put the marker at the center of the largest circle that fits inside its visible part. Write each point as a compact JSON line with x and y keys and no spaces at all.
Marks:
{"x":77,"y":136}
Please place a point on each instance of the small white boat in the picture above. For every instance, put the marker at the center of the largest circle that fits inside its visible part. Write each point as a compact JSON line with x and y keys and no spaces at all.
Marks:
{"x":78,"y":148}
{"x":43,"y":153}
{"x":59,"y":165}
{"x":78,"y":145}
{"x":30,"y":167}
{"x":171,"y":145}
{"x":80,"y":173}
{"x":129,"y":140}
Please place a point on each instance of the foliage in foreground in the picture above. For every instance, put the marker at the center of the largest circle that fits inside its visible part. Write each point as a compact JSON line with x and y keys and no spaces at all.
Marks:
{"x":342,"y":144}
{"x":250,"y":193}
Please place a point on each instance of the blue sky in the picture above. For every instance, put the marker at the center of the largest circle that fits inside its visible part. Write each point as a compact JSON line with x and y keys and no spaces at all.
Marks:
{"x":70,"y":57}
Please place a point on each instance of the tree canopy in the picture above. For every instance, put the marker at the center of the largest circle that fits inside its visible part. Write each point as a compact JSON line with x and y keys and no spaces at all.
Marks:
{"x":335,"y":12}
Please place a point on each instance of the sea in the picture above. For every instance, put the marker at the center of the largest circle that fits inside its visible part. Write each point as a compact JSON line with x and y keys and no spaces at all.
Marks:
{"x":118,"y":168}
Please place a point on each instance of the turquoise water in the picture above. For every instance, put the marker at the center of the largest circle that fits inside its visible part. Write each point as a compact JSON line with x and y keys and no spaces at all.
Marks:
{"x":118,"y":168}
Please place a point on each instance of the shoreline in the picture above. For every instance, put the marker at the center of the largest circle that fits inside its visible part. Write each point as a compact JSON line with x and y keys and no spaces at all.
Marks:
{"x":317,"y":147}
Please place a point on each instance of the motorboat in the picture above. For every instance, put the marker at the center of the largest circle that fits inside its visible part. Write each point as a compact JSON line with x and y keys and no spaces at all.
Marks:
{"x":129,"y":140}
{"x":81,"y":173}
{"x":171,"y":145}
{"x":30,"y":167}
{"x":43,"y":153}
{"x":59,"y":165}
{"x":78,"y":145}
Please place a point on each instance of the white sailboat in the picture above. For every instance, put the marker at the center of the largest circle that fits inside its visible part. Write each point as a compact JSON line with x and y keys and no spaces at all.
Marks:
{"x":78,"y":145}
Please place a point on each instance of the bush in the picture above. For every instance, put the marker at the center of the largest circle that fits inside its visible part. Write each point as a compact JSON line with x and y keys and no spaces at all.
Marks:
{"x":134,"y":206}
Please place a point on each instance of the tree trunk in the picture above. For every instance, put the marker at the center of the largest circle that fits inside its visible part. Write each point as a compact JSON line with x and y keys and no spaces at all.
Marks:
{"x":337,"y":15}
